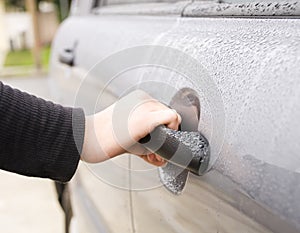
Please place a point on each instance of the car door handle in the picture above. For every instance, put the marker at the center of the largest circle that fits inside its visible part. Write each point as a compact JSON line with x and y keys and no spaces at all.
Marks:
{"x":67,"y":57}
{"x":189,"y":150}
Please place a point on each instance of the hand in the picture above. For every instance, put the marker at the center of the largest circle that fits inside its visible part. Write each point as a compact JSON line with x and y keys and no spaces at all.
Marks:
{"x":153,"y":159}
{"x":118,"y":128}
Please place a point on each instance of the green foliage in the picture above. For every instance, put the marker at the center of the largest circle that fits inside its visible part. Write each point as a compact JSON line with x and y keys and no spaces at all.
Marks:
{"x":19,"y":4}
{"x":46,"y":51}
{"x":59,"y":10}
{"x":25,"y":58}
{"x":19,"y":58}
{"x":22,"y":5}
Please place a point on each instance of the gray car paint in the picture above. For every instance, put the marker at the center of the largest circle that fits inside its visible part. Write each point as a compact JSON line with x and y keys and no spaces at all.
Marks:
{"x":255,"y":64}
{"x":243,"y":8}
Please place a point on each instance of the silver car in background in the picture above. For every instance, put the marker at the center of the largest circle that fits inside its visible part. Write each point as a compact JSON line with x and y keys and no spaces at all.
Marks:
{"x":237,"y":62}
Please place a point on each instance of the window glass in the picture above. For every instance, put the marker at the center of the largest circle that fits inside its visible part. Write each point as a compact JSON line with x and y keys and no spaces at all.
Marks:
{"x":83,"y":7}
{"x":251,"y":1}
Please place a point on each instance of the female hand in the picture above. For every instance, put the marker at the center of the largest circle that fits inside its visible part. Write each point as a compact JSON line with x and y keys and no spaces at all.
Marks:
{"x":118,"y":128}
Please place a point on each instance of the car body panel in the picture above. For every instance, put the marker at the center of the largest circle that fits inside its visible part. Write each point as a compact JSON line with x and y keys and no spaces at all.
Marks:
{"x":89,"y":199}
{"x":253,"y":185}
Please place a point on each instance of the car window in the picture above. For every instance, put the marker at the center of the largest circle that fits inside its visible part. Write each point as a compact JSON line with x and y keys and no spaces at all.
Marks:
{"x":243,"y":8}
{"x":140,"y":7}
{"x":202,"y":8}
{"x":82,"y":7}
{"x":251,"y":1}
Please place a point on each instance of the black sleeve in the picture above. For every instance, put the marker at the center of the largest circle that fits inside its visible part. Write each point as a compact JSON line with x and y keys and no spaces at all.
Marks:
{"x":39,"y":138}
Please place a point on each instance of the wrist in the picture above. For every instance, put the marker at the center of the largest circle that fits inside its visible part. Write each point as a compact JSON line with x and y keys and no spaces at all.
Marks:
{"x":99,"y":142}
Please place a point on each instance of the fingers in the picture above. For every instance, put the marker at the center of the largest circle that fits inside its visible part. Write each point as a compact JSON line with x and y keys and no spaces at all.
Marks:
{"x":174,"y":124}
{"x":154,"y":159}
{"x":144,"y":116}
{"x":168,"y":117}
{"x":144,"y":119}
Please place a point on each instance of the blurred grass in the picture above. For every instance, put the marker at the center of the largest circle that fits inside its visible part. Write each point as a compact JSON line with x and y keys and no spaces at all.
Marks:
{"x":25,"y":58}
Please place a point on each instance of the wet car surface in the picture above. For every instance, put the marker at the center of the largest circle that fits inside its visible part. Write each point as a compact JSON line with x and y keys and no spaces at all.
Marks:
{"x":243,"y":67}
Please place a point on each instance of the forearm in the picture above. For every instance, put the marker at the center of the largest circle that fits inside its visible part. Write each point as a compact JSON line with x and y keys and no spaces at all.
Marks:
{"x":39,"y":138}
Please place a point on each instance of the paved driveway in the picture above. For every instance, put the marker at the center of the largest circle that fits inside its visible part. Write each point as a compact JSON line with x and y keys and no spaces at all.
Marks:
{"x":28,"y":205}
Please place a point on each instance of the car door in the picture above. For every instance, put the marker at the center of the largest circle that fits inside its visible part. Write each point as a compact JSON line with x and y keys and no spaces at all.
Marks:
{"x":96,"y":204}
{"x":240,"y":61}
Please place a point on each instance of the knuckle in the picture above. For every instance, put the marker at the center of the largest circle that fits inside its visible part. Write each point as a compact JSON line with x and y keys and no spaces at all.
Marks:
{"x":174,"y":115}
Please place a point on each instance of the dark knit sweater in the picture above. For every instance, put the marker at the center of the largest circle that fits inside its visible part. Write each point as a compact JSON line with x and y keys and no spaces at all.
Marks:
{"x":39,"y":138}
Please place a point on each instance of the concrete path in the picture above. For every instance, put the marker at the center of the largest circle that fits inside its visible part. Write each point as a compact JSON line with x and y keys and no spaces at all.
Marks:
{"x":28,"y":205}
